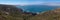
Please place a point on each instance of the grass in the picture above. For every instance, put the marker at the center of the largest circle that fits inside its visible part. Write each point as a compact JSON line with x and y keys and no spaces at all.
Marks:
{"x":44,"y":16}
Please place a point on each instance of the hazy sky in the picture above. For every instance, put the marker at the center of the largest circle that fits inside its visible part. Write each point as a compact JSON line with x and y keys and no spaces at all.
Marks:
{"x":29,"y":2}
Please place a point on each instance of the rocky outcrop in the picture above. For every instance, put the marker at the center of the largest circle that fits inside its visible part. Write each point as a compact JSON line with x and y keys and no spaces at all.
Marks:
{"x":10,"y":10}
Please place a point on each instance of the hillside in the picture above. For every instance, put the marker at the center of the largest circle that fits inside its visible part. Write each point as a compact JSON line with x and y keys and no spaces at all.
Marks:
{"x":49,"y":15}
{"x":9,"y":12}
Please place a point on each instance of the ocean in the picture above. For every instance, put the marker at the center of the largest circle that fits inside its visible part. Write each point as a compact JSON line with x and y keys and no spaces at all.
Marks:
{"x":36,"y":8}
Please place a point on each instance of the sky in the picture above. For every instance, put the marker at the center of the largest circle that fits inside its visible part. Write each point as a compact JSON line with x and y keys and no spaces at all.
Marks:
{"x":30,"y":2}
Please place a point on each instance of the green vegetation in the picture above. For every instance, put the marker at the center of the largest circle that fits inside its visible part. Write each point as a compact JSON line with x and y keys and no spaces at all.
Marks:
{"x":49,"y":15}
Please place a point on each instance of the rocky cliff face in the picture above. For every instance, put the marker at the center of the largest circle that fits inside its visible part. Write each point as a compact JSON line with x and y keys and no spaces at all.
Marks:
{"x":9,"y":8}
{"x":7,"y":12}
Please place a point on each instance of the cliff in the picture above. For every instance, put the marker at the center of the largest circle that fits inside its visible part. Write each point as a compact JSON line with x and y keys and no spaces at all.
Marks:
{"x":9,"y":11}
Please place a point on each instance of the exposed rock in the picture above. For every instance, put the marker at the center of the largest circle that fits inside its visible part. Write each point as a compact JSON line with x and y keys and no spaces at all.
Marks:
{"x":10,"y":10}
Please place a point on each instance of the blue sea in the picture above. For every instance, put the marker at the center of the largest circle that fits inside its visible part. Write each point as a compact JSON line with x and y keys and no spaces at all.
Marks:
{"x":36,"y":8}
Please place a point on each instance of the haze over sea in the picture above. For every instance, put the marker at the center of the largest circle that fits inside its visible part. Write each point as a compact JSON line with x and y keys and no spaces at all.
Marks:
{"x":37,"y":8}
